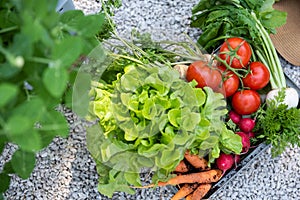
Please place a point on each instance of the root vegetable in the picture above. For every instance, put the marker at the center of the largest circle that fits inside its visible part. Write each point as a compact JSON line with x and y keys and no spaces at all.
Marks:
{"x":185,"y":190}
{"x":181,"y":167}
{"x":246,"y":124}
{"x":189,"y":197}
{"x":245,"y":141}
{"x":225,"y":162}
{"x":196,"y":161}
{"x":291,"y":96}
{"x":237,"y":159}
{"x":210,"y":176}
{"x":201,"y":191}
{"x":235,"y":117}
{"x":251,"y":135}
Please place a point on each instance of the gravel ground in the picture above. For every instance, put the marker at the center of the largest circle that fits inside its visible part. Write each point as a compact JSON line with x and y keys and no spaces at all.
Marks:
{"x":65,"y":169}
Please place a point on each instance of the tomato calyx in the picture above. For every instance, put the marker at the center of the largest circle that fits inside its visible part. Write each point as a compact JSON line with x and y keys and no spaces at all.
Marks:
{"x":232,"y":53}
{"x":236,"y":52}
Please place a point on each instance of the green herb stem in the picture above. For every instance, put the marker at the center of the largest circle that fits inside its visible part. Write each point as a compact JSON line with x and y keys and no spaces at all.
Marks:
{"x":126,"y":57}
{"x":39,"y":60}
{"x":8,"y":29}
{"x":270,"y":57}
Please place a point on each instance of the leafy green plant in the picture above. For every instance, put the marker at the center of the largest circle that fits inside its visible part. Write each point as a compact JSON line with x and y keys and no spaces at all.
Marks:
{"x":279,"y":125}
{"x":39,"y":49}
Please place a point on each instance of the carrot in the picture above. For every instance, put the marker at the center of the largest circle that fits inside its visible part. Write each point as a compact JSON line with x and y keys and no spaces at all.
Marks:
{"x":201,"y":191}
{"x":185,"y":190}
{"x":181,"y":167}
{"x":189,"y":197}
{"x":196,"y":161}
{"x":209,"y":176}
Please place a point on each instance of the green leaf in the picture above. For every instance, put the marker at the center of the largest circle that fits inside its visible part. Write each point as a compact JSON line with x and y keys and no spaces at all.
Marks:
{"x":32,"y":109}
{"x":175,"y":117}
{"x":23,"y":163}
{"x":7,"y":93}
{"x":209,"y":143}
{"x":70,"y":15}
{"x":66,"y":51}
{"x":55,"y":80}
{"x":52,"y":124}
{"x":273,"y":19}
{"x":22,"y":45}
{"x":215,"y":106}
{"x":168,"y":158}
{"x":133,"y":178}
{"x":5,"y":181}
{"x":189,"y":119}
{"x":231,"y":141}
{"x":149,"y":110}
{"x":83,"y":25}
{"x":109,"y":189}
{"x":91,"y":24}
{"x":32,"y":28}
{"x":28,"y":141}
{"x":1,"y":196}
{"x":8,"y":71}
{"x":18,"y":125}
{"x":8,"y":169}
{"x":3,"y":141}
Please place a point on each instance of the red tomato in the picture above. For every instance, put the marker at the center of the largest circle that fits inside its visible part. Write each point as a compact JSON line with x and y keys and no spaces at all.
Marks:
{"x":236,"y":52}
{"x":231,"y":82}
{"x":258,"y":77}
{"x":245,"y":102}
{"x":204,"y":75}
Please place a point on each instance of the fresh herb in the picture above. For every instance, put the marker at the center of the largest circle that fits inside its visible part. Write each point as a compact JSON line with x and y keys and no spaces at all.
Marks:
{"x":279,"y":125}
{"x":108,"y":7}
{"x":38,"y":49}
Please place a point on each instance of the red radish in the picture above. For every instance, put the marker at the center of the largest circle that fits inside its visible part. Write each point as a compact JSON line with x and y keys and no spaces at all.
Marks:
{"x":224,"y":162}
{"x":251,"y":135}
{"x":237,"y":159}
{"x":246,"y":124}
{"x":235,"y":117}
{"x":245,"y":141}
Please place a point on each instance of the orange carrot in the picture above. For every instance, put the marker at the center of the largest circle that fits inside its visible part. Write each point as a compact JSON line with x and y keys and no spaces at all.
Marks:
{"x":201,"y":191}
{"x":189,"y":197}
{"x":196,"y":161}
{"x":209,"y":176}
{"x":185,"y":190}
{"x":181,"y":167}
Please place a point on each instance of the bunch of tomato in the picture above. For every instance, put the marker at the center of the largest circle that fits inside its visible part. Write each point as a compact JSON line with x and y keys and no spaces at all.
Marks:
{"x":235,"y":75}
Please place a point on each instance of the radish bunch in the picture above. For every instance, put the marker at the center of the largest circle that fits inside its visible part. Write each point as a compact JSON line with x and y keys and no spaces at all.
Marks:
{"x":245,"y":126}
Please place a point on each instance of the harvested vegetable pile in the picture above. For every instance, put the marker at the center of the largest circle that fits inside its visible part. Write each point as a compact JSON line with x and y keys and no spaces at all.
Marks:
{"x":159,"y":104}
{"x":149,"y":117}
